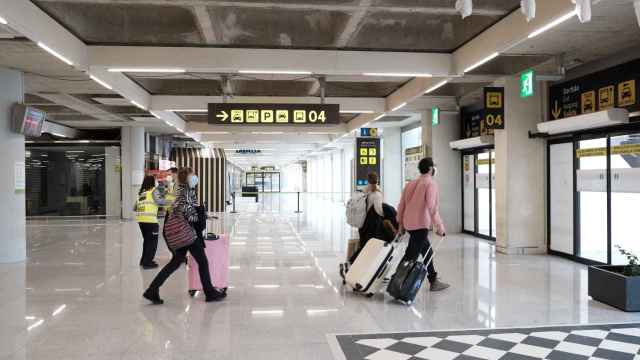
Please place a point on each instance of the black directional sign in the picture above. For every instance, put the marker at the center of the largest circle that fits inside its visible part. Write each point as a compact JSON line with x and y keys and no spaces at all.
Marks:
{"x":273,"y":114}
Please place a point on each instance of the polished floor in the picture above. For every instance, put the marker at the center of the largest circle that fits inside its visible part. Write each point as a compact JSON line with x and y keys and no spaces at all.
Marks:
{"x":78,"y":295}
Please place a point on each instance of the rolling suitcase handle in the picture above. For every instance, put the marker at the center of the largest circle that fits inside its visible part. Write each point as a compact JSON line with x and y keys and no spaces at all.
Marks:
{"x":433,"y":251}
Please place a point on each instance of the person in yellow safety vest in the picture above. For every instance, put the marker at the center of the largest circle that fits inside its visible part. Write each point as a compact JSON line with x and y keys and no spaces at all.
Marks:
{"x":147,"y":206}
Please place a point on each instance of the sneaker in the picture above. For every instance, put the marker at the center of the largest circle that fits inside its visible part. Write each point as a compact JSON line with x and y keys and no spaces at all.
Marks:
{"x":438,"y":285}
{"x":153,"y":295}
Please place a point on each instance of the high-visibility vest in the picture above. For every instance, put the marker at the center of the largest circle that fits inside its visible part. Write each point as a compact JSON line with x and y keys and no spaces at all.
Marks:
{"x":169,"y":198}
{"x":146,"y":208}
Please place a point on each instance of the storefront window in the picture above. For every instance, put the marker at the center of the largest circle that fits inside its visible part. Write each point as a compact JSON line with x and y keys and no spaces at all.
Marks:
{"x":410,"y":138}
{"x":72,"y":180}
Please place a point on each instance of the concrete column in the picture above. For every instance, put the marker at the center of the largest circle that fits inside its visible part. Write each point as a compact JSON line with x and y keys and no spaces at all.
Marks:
{"x":427,"y":132}
{"x":520,"y":175}
{"x":12,"y":211}
{"x":132,"y":151}
{"x":448,"y":163}
{"x":392,"y":166}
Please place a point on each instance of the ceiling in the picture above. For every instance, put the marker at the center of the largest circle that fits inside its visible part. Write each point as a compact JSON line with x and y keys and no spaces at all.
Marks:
{"x":364,"y":29}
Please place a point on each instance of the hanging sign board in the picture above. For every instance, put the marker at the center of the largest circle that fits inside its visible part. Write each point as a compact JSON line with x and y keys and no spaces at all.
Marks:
{"x":494,"y":107}
{"x":368,"y":132}
{"x":367,"y":159}
{"x":412,"y":157}
{"x":614,"y":87}
{"x":273,"y":114}
{"x":473,"y":123}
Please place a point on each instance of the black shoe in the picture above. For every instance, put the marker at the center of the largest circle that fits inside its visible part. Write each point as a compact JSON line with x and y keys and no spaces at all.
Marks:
{"x":153,"y":265}
{"x":214,"y":295}
{"x":153,"y":295}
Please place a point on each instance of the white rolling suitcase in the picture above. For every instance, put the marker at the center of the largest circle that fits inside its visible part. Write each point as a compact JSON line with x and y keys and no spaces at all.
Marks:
{"x":368,"y":271}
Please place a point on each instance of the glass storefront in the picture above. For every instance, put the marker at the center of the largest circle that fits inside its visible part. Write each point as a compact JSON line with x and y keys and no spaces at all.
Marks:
{"x":594,"y":190}
{"x":73,"y":180}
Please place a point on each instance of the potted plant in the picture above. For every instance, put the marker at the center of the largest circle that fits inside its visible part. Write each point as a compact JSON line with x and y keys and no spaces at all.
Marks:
{"x":617,"y":285}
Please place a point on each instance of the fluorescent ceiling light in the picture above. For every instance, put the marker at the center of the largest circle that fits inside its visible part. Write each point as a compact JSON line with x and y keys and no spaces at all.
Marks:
{"x":482,"y":62}
{"x":138,"y":105}
{"x":552,"y":24}
{"x":266,"y":286}
{"x":215,"y":132}
{"x":399,"y":107}
{"x":35,"y":325}
{"x":147,"y":70}
{"x":356,"y":111}
{"x":379,"y":117}
{"x":436,"y":86}
{"x":57,"y":311}
{"x":188,"y":110}
{"x":3,"y":21}
{"x":276,"y":72}
{"x":267,"y":312}
{"x":54,"y":53}
{"x":100,"y":82}
{"x":321,"y":133}
{"x":265,"y":267}
{"x":399,"y":74}
{"x":267,"y":132}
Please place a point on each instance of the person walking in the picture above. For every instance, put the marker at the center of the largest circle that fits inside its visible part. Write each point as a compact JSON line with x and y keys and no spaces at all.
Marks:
{"x":417,"y":213}
{"x":373,"y":226}
{"x":146,"y":209}
{"x":185,"y":204}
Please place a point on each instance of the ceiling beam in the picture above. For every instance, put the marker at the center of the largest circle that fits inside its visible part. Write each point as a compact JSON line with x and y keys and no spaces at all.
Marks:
{"x":230,"y":60}
{"x":82,"y":107}
{"x":478,"y":10}
{"x":206,"y":26}
{"x":180,"y":102}
{"x":353,"y":25}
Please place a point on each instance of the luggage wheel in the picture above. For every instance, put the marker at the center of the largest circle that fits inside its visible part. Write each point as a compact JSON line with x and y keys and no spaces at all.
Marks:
{"x":369,"y":295}
{"x":192,"y":293}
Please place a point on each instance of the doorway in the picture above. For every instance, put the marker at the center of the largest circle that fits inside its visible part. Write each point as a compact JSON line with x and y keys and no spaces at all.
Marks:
{"x":479,"y":193}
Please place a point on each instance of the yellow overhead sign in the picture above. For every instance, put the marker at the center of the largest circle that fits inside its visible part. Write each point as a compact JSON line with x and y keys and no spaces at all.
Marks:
{"x":273,"y":114}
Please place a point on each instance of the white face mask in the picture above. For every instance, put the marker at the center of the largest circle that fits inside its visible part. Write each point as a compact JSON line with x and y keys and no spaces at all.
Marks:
{"x":434,"y":171}
{"x":169,"y":179}
{"x":193,"y":181}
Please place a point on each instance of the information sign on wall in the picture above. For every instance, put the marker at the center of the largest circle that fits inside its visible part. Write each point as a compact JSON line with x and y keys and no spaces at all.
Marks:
{"x":614,"y":87}
{"x":494,"y":107}
{"x":412,"y":157}
{"x":368,"y":132}
{"x":273,"y":114}
{"x":367,"y":159}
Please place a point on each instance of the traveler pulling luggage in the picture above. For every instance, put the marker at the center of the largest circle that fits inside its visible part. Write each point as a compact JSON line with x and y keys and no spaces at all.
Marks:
{"x":409,"y":276}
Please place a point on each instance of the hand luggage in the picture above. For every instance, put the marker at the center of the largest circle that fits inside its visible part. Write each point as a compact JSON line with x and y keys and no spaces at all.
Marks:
{"x":368,"y":270}
{"x":217,"y":252}
{"x":357,"y":209}
{"x":177,"y":232}
{"x":408,"y":278}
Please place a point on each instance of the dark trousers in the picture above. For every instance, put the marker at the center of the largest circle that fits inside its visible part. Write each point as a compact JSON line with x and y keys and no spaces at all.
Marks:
{"x":178,"y":258}
{"x":150,"y":243}
{"x":419,"y":245}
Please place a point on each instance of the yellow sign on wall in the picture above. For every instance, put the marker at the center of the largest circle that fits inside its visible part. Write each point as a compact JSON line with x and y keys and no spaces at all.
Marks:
{"x":627,"y":93}
{"x":606,"y":96}
{"x":588,"y":102}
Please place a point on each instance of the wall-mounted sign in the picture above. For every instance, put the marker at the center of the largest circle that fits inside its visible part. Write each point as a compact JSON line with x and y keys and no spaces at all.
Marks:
{"x":367,"y":159}
{"x":248,"y":151}
{"x":435,"y":116}
{"x":273,"y":114}
{"x":473,"y":123}
{"x":614,"y":87}
{"x":494,"y":107}
{"x":527,"y":81}
{"x":412,"y":157}
{"x":368,"y":132}
{"x":20,"y":180}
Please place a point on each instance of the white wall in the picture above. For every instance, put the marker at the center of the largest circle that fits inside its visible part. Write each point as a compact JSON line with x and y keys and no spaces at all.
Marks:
{"x":113,"y":181}
{"x":392,"y":167}
{"x":132,"y":157}
{"x":12,"y":211}
{"x":449,"y":175}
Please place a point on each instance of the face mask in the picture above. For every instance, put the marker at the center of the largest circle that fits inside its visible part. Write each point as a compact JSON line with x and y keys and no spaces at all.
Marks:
{"x":169,"y":179}
{"x":193,"y":181}
{"x":434,"y":171}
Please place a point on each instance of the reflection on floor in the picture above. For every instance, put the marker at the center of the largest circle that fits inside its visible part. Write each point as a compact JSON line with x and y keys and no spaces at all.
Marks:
{"x":78,"y":296}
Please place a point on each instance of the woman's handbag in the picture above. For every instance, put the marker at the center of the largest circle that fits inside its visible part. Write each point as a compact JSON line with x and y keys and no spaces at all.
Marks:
{"x":178,"y":233}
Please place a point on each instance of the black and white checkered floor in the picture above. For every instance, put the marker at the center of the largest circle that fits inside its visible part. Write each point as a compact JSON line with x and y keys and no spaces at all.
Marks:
{"x":615,"y":342}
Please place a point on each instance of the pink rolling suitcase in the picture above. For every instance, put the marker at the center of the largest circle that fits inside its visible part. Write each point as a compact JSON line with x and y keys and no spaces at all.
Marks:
{"x":218,"y":255}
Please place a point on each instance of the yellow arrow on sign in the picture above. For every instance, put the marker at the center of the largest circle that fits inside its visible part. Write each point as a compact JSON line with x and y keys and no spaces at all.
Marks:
{"x":224,"y":116}
{"x":556,"y":111}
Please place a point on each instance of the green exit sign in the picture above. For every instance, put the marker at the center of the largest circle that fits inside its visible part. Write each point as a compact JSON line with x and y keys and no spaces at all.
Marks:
{"x":526,"y":83}
{"x":435,"y":116}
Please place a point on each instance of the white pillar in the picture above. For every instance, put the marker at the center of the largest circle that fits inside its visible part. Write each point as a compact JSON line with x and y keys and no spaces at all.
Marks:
{"x":12,"y":211}
{"x":520,"y":175}
{"x":448,"y":163}
{"x":392,"y":166}
{"x":427,"y":137}
{"x":132,"y":150}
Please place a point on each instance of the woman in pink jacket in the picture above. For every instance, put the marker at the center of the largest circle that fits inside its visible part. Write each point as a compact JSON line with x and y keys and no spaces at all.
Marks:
{"x":417,"y":213}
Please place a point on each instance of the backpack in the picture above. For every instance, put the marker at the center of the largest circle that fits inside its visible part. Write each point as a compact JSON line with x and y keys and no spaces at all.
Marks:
{"x":357,"y":210}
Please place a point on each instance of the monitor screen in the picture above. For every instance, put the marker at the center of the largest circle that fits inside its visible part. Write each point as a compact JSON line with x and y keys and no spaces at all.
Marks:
{"x":28,"y":120}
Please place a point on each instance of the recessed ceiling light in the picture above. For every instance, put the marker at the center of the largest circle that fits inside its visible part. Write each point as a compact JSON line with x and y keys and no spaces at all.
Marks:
{"x":147,"y":70}
{"x":276,"y":72}
{"x":482,"y":62}
{"x":552,"y":24}
{"x":399,"y":74}
{"x":55,"y":53}
{"x":100,"y":82}
{"x":3,"y":21}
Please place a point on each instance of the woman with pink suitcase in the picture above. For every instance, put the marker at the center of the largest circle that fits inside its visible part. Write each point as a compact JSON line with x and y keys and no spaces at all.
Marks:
{"x":181,"y":238}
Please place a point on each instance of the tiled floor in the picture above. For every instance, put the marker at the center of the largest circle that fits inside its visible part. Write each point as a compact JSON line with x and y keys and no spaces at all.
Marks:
{"x":78,"y":296}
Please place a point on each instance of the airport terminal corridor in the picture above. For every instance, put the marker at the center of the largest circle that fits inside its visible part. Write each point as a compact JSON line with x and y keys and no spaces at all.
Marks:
{"x":79,"y":295}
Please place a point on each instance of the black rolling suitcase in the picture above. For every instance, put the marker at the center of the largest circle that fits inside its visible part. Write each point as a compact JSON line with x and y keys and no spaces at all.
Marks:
{"x":408,"y":278}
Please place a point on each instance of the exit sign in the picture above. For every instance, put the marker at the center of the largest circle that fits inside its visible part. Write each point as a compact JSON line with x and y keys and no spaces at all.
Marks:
{"x":526,"y":83}
{"x":435,"y":116}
